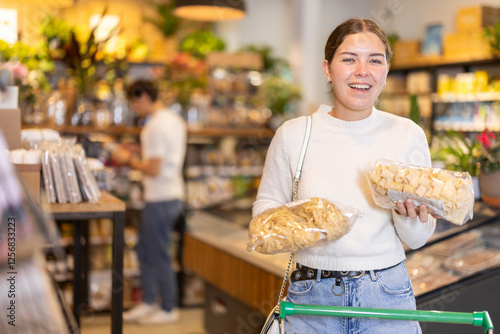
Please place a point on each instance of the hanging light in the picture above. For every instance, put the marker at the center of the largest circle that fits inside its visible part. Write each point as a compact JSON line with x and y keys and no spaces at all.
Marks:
{"x":210,"y":10}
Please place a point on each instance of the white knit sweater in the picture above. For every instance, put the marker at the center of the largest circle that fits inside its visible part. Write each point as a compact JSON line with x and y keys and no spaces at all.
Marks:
{"x":339,"y":155}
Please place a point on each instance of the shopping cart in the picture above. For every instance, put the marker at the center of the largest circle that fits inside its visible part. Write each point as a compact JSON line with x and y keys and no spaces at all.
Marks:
{"x":481,"y":319}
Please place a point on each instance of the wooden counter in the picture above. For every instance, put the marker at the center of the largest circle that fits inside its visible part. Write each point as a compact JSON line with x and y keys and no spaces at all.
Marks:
{"x":107,"y":203}
{"x":215,"y":250}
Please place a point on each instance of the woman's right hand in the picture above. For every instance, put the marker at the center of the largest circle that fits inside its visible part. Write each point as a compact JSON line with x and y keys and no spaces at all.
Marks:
{"x":407,"y":209}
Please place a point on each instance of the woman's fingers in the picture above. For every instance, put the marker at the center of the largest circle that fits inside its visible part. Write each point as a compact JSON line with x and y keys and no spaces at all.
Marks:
{"x":422,"y":213}
{"x":408,"y":209}
{"x":402,"y":208}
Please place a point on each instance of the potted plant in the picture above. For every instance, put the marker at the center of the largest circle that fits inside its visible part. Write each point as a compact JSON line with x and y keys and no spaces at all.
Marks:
{"x":278,"y":88}
{"x":459,"y":153}
{"x":492,"y":34}
{"x":489,"y":176}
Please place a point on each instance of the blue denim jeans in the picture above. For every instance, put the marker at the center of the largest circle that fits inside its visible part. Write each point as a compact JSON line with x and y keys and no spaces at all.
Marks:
{"x":390,"y":289}
{"x":153,"y":250}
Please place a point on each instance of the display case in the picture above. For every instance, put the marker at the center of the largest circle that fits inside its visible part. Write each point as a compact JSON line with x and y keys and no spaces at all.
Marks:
{"x":251,"y":281}
{"x":459,"y":269}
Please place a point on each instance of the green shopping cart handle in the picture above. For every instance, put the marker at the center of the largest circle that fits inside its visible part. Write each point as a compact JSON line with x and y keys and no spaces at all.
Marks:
{"x":476,"y":318}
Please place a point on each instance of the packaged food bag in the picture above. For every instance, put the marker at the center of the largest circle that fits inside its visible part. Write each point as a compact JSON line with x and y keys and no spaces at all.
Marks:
{"x":298,"y":225}
{"x":445,"y":193}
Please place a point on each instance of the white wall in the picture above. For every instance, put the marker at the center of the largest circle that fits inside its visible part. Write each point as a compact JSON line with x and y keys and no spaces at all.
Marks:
{"x":298,"y":29}
{"x":266,"y":22}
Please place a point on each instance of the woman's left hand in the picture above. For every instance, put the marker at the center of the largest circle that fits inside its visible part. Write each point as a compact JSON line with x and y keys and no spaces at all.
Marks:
{"x":407,"y":209}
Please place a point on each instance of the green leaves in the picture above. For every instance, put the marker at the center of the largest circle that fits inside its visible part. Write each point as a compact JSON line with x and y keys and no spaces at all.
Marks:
{"x":200,"y":43}
{"x":165,"y":21}
{"x":492,"y":34}
{"x":462,"y":154}
{"x":279,"y":92}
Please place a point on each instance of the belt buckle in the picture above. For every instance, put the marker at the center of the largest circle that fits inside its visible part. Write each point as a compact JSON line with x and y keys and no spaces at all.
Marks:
{"x":360,"y":275}
{"x":346,"y":273}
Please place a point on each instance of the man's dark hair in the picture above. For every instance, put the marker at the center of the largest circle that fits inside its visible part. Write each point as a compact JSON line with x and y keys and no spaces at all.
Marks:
{"x":140,"y":87}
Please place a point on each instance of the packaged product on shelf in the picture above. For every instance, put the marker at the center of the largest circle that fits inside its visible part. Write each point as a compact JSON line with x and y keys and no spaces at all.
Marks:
{"x":66,"y":176}
{"x":69,"y":174}
{"x":458,"y":244}
{"x":61,"y":191}
{"x":88,"y":183}
{"x":421,"y":264}
{"x":445,"y":193}
{"x":298,"y":225}
{"x":474,"y":261}
{"x":434,"y":280}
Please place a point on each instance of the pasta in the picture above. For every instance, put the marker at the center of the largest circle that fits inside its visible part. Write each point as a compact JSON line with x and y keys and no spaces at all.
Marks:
{"x":446,"y":193}
{"x":298,"y":225}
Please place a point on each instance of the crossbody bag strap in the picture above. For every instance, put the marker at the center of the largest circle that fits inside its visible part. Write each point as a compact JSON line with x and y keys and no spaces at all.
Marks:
{"x":296,"y":180}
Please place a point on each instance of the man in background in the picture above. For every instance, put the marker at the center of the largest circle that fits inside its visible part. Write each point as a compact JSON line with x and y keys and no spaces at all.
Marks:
{"x":163,"y":146}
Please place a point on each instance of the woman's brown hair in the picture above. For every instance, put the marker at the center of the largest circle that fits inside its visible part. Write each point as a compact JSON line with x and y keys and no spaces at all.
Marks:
{"x":354,"y":26}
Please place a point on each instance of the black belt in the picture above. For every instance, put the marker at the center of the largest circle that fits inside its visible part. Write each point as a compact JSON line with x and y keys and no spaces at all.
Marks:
{"x":303,"y":273}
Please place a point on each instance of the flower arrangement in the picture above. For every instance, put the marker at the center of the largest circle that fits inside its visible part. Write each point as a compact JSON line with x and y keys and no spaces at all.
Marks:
{"x":28,"y":68}
{"x":184,"y":75}
{"x":80,"y":52}
{"x":186,"y":72}
{"x":489,"y":158}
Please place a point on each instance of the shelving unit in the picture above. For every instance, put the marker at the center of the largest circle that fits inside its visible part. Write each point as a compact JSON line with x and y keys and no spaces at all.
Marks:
{"x":442,"y":105}
{"x":212,"y":132}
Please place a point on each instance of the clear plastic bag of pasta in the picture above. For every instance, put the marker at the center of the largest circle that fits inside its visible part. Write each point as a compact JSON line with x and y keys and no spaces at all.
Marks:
{"x":298,"y":225}
{"x":446,"y":193}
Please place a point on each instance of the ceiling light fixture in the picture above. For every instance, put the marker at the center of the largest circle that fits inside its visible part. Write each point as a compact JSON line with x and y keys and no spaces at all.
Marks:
{"x":210,"y":10}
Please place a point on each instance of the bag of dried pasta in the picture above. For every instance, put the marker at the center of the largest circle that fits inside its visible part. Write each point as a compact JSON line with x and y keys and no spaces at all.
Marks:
{"x":446,"y":193}
{"x":298,"y":225}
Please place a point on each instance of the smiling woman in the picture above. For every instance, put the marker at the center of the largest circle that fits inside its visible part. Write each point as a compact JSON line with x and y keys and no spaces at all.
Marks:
{"x":357,"y":69}
{"x":365,"y":267}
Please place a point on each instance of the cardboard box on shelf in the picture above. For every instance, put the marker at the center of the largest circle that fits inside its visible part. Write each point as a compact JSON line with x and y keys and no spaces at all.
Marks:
{"x":406,"y":52}
{"x":473,"y":19}
{"x":10,"y":126}
{"x":466,"y":46}
{"x":30,"y":174}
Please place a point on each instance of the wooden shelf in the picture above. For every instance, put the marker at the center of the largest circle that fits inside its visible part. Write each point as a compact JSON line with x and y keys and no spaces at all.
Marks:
{"x":235,"y":132}
{"x":442,"y":62}
{"x":201,"y":132}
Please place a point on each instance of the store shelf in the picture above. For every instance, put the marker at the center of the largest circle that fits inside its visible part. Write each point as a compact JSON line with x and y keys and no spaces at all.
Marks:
{"x":201,"y":132}
{"x":430,"y":63}
{"x":461,"y":98}
{"x":235,"y":132}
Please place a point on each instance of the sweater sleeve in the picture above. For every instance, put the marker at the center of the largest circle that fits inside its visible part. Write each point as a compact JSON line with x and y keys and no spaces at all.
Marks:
{"x":411,"y":230}
{"x":275,"y":187}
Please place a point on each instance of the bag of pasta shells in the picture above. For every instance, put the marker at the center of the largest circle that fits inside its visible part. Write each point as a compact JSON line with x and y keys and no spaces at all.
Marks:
{"x":298,"y":225}
{"x":446,"y":193}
